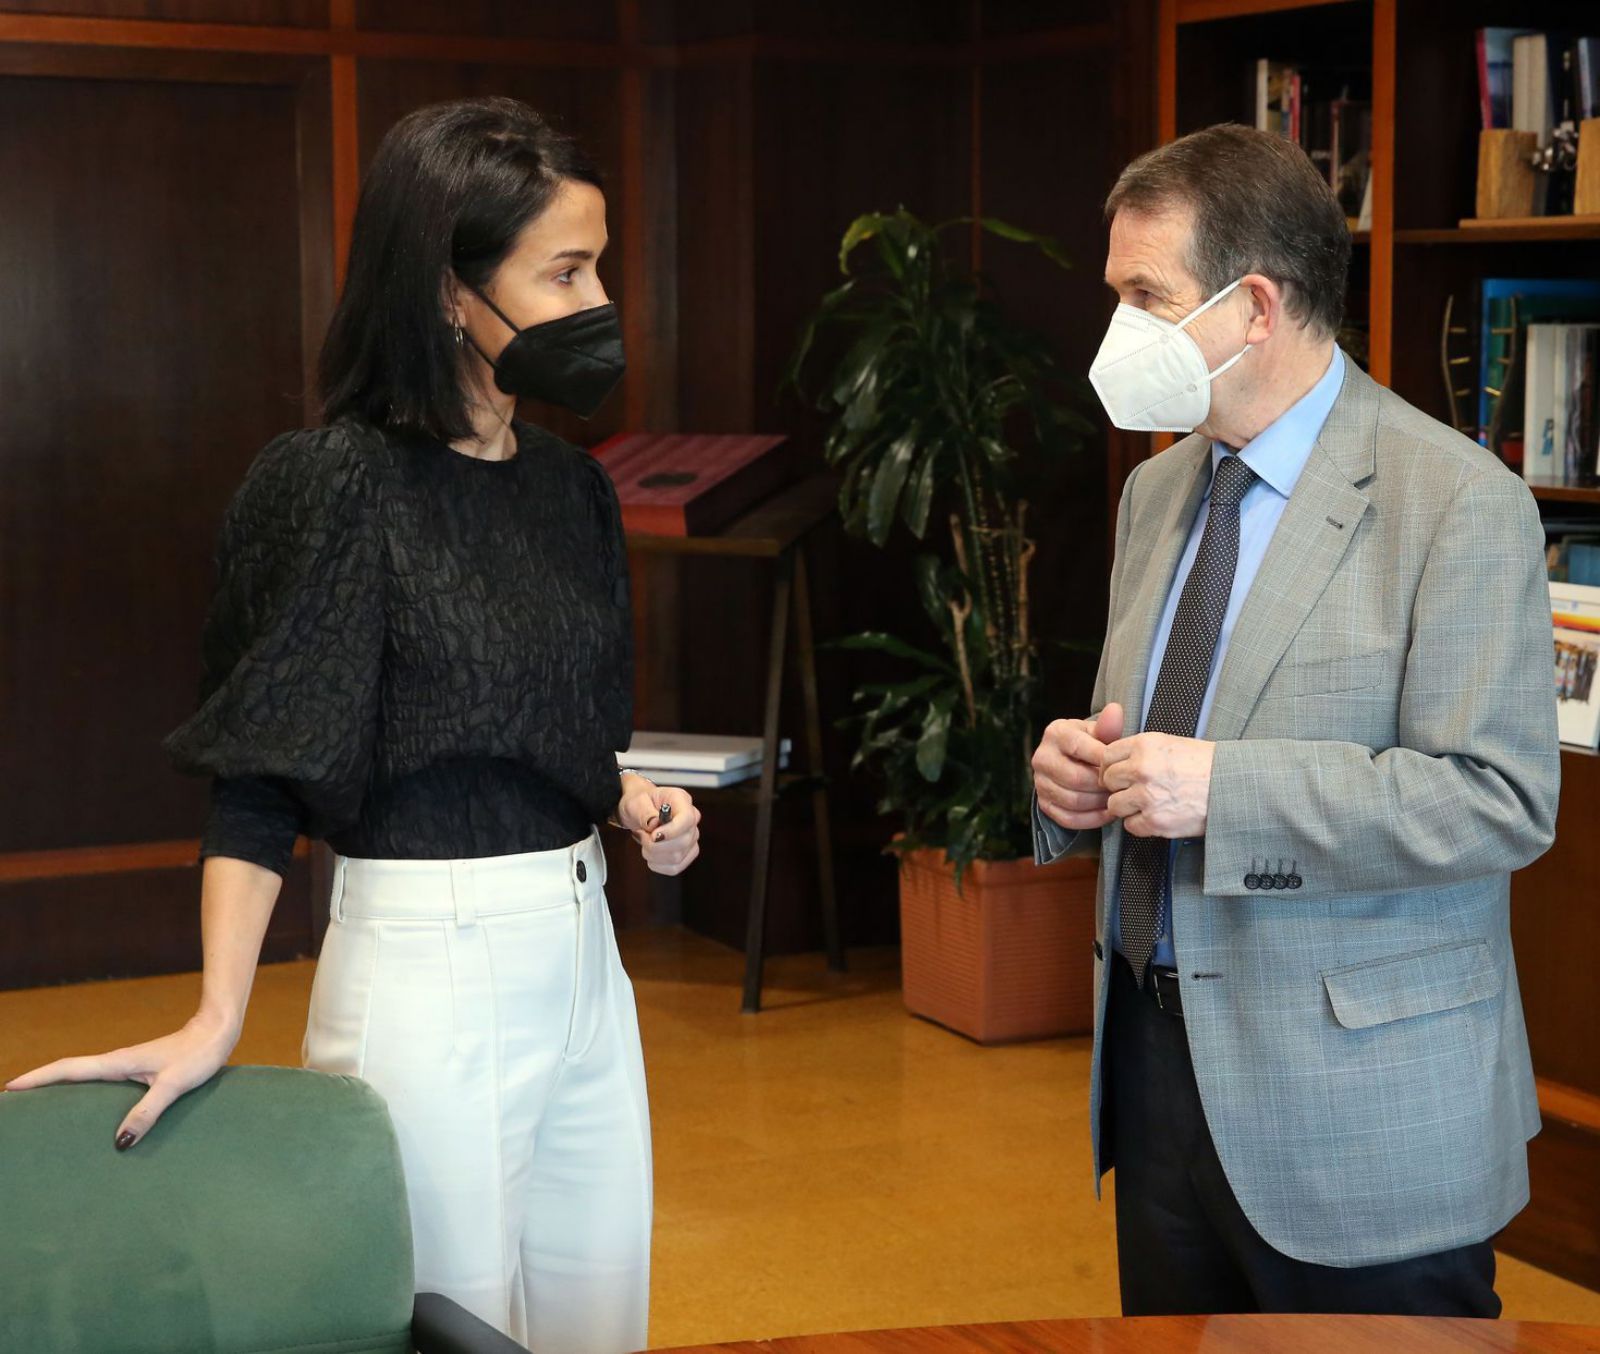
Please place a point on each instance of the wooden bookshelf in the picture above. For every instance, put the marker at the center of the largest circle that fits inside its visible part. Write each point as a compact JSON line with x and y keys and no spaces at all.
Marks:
{"x":1548,"y":491}
{"x":1424,"y":157}
{"x":1511,"y":230}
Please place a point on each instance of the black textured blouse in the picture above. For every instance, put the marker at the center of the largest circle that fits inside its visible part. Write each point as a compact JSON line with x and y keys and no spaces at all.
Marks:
{"x":413,"y":653}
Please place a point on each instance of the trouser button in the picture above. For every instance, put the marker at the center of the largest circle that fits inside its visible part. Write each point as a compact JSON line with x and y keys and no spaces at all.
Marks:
{"x":583,"y":872}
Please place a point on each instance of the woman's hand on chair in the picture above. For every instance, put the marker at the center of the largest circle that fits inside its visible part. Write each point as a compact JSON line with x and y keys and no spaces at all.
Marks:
{"x":169,"y":1066}
{"x":670,"y":847}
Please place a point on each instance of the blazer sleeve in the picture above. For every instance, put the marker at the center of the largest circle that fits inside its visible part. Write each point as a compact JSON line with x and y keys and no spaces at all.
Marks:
{"x":292,"y":651}
{"x":1471,"y":786}
{"x":1051,"y":841}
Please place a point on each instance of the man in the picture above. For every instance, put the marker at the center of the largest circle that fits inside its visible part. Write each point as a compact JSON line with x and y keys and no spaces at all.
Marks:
{"x":1324,"y":737}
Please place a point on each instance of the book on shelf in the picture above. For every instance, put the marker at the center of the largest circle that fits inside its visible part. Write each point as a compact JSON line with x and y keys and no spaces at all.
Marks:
{"x":1499,"y":353}
{"x":1561,"y":411}
{"x":1573,"y":557}
{"x":692,"y":484}
{"x":1575,"y":616}
{"x":1495,"y":75}
{"x":1325,"y":112}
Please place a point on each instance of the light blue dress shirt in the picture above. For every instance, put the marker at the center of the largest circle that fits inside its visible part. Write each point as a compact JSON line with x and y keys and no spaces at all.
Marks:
{"x":1277,"y":456}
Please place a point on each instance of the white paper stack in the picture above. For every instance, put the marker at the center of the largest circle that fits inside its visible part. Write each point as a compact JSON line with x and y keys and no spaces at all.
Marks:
{"x":695,"y":760}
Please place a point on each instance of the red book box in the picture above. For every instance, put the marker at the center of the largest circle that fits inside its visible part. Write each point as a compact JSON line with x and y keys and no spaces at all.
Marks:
{"x":693,"y":484}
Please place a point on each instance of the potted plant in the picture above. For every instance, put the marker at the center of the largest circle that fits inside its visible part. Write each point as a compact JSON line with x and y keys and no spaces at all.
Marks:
{"x":936,"y":395}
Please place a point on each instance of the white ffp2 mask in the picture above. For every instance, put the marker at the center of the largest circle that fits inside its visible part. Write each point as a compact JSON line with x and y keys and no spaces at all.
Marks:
{"x":1151,"y":375}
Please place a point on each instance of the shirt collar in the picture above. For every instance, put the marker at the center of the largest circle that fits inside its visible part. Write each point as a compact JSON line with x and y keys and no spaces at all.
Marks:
{"x":1280,"y":451}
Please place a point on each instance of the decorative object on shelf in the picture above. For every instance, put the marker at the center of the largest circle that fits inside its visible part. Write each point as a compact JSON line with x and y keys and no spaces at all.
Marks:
{"x":1503,"y":384}
{"x":934,"y":398}
{"x":1586,"y":195}
{"x":693,"y":484}
{"x":1507,"y":183}
{"x":1455,"y":351}
{"x":1575,"y":612}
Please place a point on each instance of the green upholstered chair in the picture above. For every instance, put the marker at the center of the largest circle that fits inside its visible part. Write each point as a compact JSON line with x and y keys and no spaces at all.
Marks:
{"x":266,"y":1211}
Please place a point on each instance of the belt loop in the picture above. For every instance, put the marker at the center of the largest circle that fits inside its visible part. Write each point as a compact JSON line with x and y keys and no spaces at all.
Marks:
{"x":336,"y":894}
{"x":463,"y":892}
{"x":599,"y":852}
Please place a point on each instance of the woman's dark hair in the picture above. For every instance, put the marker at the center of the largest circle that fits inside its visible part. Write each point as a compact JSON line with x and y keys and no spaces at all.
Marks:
{"x":1259,"y":205}
{"x":449,"y":190}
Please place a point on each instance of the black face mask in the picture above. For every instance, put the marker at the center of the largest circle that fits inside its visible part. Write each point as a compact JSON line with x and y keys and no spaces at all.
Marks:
{"x":575,"y":361}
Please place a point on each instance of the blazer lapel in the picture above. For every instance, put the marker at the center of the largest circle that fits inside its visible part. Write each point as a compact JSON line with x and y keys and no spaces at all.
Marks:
{"x":1308,"y":546}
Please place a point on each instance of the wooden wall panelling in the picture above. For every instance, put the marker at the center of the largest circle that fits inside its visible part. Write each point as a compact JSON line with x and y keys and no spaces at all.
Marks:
{"x":151,"y":341}
{"x":1560,"y":1231}
{"x":124,"y":925}
{"x":830,"y":140}
{"x":1550,"y":924}
{"x":534,"y":20}
{"x":1043,"y":171}
{"x":263,"y":13}
{"x":685,"y":189}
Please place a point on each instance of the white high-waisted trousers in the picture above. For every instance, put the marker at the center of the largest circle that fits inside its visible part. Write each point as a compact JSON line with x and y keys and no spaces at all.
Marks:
{"x":485,"y":1001}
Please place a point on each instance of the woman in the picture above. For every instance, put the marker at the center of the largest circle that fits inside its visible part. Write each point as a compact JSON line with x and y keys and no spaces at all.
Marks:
{"x":420,"y":650}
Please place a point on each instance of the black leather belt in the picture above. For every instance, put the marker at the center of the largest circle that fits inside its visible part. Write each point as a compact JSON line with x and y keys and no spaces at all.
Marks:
{"x":1161,"y":987}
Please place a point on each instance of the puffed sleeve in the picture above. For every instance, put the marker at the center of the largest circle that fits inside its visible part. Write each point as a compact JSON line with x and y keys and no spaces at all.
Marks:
{"x":291,"y":652}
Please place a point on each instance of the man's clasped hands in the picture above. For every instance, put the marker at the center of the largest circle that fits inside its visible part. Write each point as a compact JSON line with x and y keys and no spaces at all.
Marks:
{"x":1087,"y":774}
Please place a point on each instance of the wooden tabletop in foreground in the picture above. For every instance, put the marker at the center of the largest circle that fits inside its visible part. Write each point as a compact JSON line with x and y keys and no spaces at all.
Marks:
{"x":1197,"y":1335}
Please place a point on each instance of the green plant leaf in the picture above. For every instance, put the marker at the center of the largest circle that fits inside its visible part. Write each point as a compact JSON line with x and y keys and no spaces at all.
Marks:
{"x":935,"y":737}
{"x":887,"y":483}
{"x":1045,"y":244}
{"x":931,"y":590}
{"x":917,"y":501}
{"x":879,"y":641}
{"x":861,"y":229}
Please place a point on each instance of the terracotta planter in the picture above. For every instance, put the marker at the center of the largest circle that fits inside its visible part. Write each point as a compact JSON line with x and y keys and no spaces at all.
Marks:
{"x":1010,"y":957}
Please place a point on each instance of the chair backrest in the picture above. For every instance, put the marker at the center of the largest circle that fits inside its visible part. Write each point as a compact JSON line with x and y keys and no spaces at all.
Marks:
{"x":264,"y":1211}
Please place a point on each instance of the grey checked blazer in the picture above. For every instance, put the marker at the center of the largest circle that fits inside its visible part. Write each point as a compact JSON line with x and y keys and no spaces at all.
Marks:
{"x":1385,"y":721}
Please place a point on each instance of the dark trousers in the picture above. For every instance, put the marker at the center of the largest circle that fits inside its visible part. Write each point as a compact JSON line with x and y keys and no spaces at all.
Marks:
{"x":1184,"y":1244}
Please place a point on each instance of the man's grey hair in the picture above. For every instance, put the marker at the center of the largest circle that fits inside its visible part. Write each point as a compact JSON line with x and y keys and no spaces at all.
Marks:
{"x":1259,"y":206}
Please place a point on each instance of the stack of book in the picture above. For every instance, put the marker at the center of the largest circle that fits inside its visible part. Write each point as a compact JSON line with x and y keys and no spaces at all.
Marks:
{"x":1538,"y":82}
{"x":1534,"y":407}
{"x":1572,"y":550}
{"x":697,"y":760}
{"x":1315,"y":108}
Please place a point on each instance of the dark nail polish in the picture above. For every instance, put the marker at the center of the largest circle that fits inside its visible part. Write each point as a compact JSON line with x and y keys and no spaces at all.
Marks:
{"x":125,"y":1140}
{"x":660,"y":836}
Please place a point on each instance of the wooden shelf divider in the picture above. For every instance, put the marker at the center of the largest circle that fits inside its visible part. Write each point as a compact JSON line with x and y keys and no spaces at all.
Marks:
{"x":1510,"y":230}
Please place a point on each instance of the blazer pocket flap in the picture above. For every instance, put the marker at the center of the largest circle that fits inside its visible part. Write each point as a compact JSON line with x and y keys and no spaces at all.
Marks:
{"x":1437,"y":979}
{"x":1324,"y":676}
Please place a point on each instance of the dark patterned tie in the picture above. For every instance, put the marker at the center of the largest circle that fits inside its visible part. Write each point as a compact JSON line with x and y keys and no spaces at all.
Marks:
{"x":1180,"y":691}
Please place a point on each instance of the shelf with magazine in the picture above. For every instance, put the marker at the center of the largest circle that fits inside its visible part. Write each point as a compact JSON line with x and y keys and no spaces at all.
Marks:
{"x":1430,"y":266}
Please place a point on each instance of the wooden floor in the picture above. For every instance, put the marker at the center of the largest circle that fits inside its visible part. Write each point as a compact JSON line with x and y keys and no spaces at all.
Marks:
{"x":829,"y":1164}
